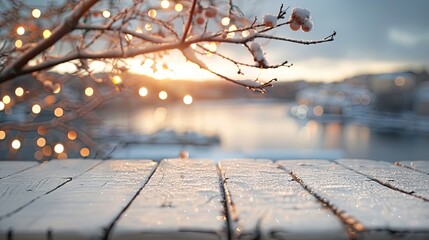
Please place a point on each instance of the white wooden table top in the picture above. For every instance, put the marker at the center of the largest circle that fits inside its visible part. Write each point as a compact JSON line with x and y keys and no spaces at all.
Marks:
{"x":201,"y":199}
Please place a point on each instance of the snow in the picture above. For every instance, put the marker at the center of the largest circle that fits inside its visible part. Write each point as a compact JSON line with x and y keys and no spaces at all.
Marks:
{"x":250,"y":83}
{"x":300,"y":17}
{"x":270,"y":20}
{"x":258,"y":54}
{"x":307,"y":26}
{"x":189,"y":53}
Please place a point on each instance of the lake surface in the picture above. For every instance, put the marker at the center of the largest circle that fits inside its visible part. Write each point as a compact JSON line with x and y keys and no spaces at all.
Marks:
{"x":264,"y":129}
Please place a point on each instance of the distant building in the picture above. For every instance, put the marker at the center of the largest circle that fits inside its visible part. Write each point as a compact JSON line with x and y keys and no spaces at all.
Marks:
{"x":421,"y":99}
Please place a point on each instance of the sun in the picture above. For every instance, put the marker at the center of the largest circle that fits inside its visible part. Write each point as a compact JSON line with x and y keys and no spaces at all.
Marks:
{"x":170,"y":67}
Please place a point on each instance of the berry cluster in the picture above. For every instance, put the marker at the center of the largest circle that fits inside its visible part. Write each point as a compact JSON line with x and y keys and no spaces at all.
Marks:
{"x":300,"y":17}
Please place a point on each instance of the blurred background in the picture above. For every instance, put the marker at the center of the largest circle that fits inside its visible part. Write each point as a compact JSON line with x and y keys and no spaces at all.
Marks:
{"x":365,"y":95}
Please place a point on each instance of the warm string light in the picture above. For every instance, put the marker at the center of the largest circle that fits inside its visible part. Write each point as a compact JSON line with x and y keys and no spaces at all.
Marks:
{"x":16,"y":144}
{"x":226,"y":21}
{"x":6,"y":99}
{"x":84,"y":152}
{"x":47,"y":150}
{"x":116,"y":80}
{"x":165,"y":4}
{"x":2,"y":106}
{"x":18,"y":43}
{"x":58,"y":112}
{"x":36,"y":109}
{"x":41,"y":142}
{"x":152,"y":13}
{"x":19,"y":91}
{"x":72,"y":135}
{"x":163,"y":95}
{"x":46,"y":33}
{"x":59,"y":148}
{"x":232,"y":28}
{"x":57,"y":88}
{"x":188,"y":99}
{"x":89,"y":91}
{"x":36,"y":13}
{"x":143,"y":92}
{"x":178,"y":7}
{"x":20,"y":30}
{"x":148,"y":27}
{"x":2,"y":134}
{"x":106,"y":14}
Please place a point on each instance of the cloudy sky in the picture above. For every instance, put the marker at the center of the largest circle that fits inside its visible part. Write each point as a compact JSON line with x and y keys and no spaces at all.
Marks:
{"x":373,"y":36}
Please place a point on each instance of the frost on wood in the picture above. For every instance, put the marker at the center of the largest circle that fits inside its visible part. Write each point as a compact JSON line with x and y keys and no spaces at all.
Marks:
{"x":181,"y":199}
{"x":369,"y":207}
{"x":89,"y":202}
{"x":266,"y":203}
{"x":388,"y":174}
{"x":22,"y":188}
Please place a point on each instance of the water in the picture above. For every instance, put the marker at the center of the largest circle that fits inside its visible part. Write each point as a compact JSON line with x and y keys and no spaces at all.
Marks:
{"x":264,"y":129}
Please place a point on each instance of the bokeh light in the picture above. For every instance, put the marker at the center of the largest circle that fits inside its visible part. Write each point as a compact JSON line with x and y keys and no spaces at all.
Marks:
{"x":72,"y":134}
{"x":89,"y":91}
{"x":106,"y":14}
{"x":163,"y":95}
{"x":116,"y":80}
{"x":20,"y":30}
{"x":59,"y":148}
{"x":18,"y":43}
{"x":143,"y":92}
{"x":36,"y":109}
{"x":46,"y":33}
{"x":152,"y":13}
{"x":165,"y":4}
{"x":188,"y":99}
{"x":226,"y":21}
{"x":16,"y":144}
{"x":2,"y":134}
{"x":6,"y":99}
{"x":178,"y":7}
{"x":19,"y":91}
{"x":84,"y":152}
{"x":58,"y":112}
{"x":36,"y":13}
{"x":41,"y":142}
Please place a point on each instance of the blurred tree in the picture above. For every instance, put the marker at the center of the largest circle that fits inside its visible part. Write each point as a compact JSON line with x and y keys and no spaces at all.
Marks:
{"x":59,"y":41}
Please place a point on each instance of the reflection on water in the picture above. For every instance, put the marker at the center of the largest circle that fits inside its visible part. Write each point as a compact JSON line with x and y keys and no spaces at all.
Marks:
{"x":265,"y":127}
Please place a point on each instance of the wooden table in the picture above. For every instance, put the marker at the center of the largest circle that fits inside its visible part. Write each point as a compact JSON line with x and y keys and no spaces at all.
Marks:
{"x":201,"y":199}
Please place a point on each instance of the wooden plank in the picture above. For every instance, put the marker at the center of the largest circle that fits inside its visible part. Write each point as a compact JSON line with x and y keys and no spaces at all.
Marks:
{"x":25,"y":187}
{"x":266,"y":202}
{"x":83,"y":208}
{"x":373,"y":210}
{"x":422,"y":166}
{"x":182,"y":200}
{"x":8,"y":168}
{"x":388,"y":174}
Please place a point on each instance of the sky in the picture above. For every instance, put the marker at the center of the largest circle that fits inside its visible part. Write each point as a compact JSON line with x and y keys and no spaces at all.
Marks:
{"x":372,"y":37}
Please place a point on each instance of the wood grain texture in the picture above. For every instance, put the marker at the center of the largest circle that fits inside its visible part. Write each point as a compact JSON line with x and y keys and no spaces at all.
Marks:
{"x":83,"y":208}
{"x":422,"y":166}
{"x":373,"y":210}
{"x":8,"y":168}
{"x":267,"y":203}
{"x":388,"y":174}
{"x":25,"y":187}
{"x":182,"y":200}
